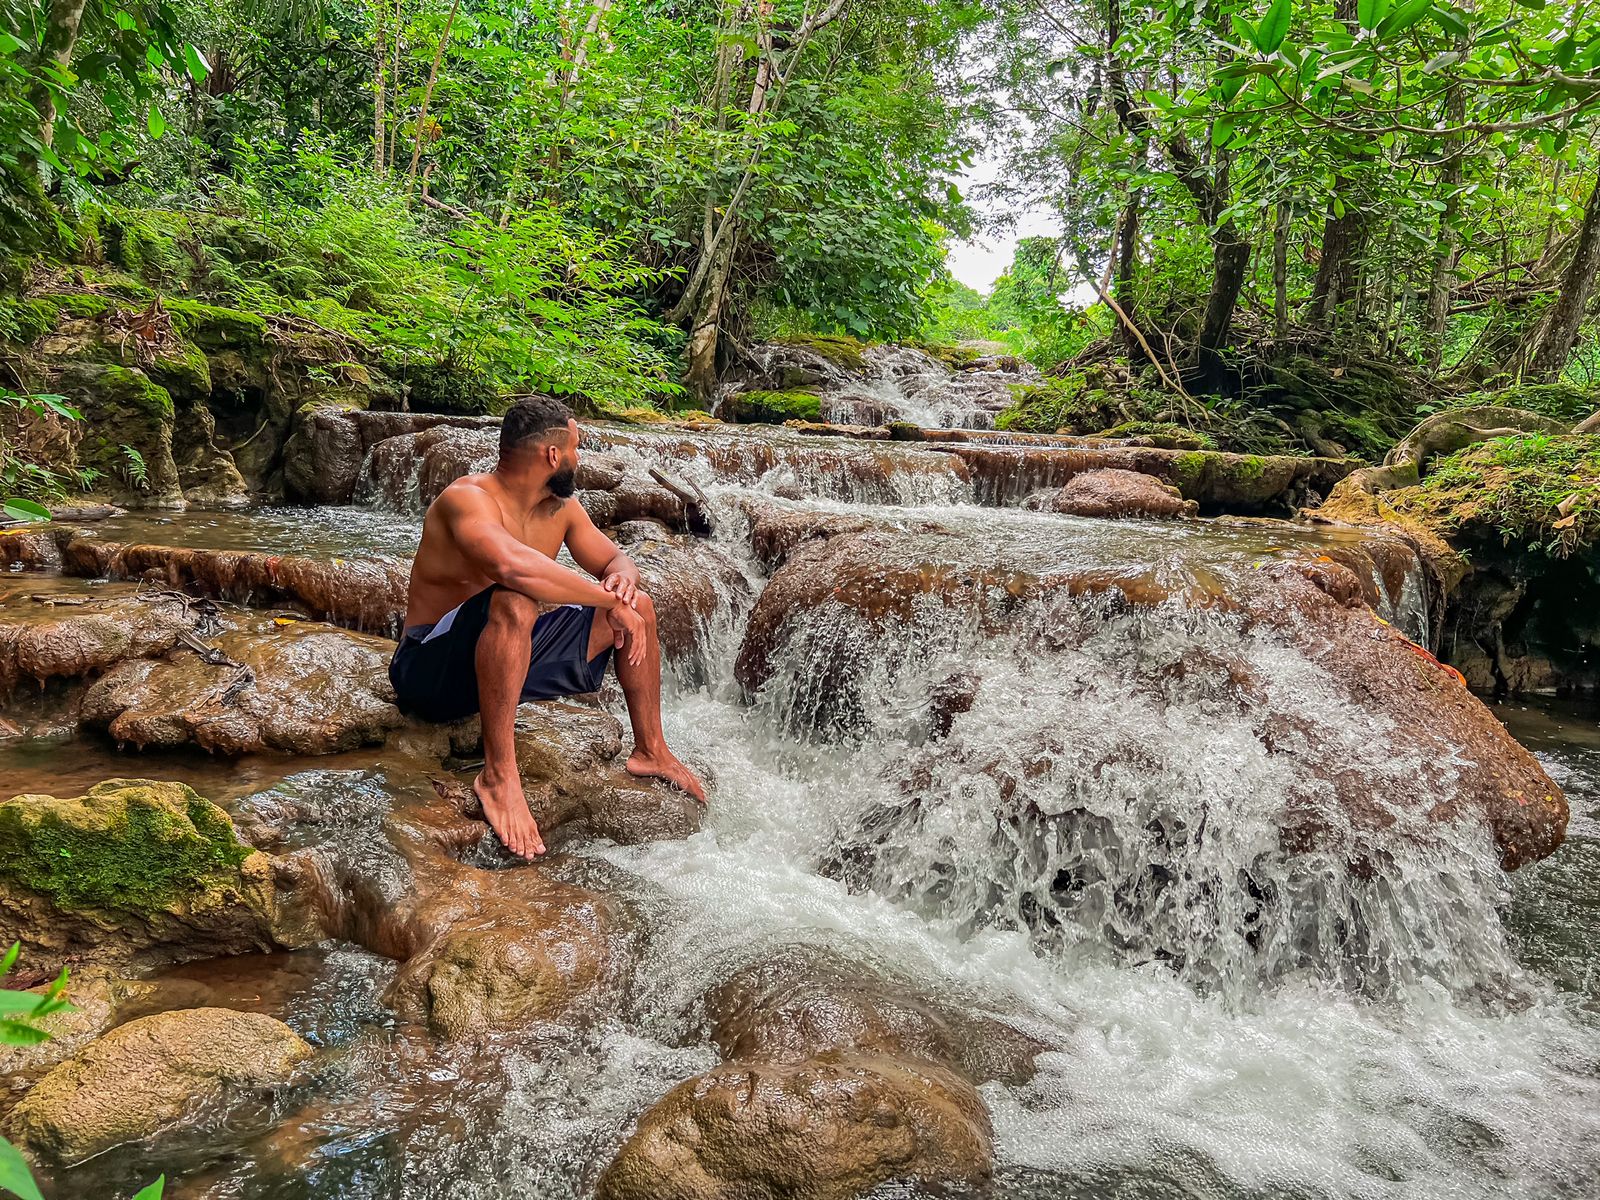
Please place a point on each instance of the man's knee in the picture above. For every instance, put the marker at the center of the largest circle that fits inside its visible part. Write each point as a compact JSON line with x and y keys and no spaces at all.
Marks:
{"x":513,"y":608}
{"x":646,"y":607}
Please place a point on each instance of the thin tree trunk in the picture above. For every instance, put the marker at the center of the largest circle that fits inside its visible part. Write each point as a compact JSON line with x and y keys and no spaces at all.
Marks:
{"x":1442,"y":280}
{"x":1127,"y":261}
{"x":1280,"y":270}
{"x":60,"y":40}
{"x":1566,"y":318}
{"x":427,"y":92}
{"x":379,"y":88}
{"x":706,"y":331}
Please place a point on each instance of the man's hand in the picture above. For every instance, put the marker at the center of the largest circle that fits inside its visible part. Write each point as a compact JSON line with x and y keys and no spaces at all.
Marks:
{"x":623,"y":587}
{"x":628,"y":628}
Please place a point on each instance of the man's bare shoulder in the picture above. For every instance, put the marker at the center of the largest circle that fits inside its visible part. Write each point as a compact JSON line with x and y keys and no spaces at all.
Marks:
{"x":469,"y":494}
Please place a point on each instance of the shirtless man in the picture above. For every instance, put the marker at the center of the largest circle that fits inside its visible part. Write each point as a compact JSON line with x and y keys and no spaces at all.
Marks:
{"x":475,"y":639}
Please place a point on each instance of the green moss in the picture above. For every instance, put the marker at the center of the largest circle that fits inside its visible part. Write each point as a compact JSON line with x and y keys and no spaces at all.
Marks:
{"x":26,"y":321}
{"x":774,"y":407}
{"x":840,"y":349}
{"x":82,"y":307}
{"x":444,"y":387}
{"x":1249,"y":468}
{"x":1189,"y":469}
{"x":1540,"y":490}
{"x":213,"y":327}
{"x":954,"y":357}
{"x":127,"y":844}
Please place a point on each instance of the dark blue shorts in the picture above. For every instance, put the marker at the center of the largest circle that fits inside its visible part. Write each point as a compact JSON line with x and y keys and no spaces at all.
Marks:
{"x":435,"y":668}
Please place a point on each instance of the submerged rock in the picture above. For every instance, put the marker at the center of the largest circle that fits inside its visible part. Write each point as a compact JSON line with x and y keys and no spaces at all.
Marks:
{"x":829,"y":1128}
{"x":1111,"y":492}
{"x":138,"y":871}
{"x":144,"y":1077}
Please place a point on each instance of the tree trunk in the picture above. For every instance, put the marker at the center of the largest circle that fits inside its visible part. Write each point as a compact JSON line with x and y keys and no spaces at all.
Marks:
{"x":1442,"y":280}
{"x":379,"y":87}
{"x":1344,"y":237}
{"x":1280,"y":270}
{"x":1127,"y":260}
{"x":706,"y":330}
{"x":1572,"y":302}
{"x":60,"y":39}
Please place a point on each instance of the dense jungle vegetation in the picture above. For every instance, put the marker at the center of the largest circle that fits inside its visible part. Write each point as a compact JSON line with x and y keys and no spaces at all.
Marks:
{"x":1302,"y":225}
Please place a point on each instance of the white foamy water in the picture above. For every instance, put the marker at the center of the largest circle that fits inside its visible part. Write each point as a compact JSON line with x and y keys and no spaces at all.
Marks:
{"x":1374,"y":1038}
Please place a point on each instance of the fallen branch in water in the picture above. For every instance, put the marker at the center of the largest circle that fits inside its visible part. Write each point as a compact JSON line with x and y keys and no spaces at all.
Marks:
{"x":696,"y":508}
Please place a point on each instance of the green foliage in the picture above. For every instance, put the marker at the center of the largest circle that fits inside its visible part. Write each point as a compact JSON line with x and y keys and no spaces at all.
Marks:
{"x":1563,"y":401}
{"x":30,"y":424}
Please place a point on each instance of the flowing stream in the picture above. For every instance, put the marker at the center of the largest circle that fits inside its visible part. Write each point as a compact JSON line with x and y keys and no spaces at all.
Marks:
{"x":1247,"y":1025}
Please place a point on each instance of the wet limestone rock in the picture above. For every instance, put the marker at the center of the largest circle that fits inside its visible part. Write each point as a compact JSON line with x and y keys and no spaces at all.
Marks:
{"x":802,"y":1003}
{"x":40,"y":642}
{"x":123,"y":407}
{"x":137,"y":871}
{"x":144,"y":1076}
{"x":690,"y":582}
{"x":829,"y":1128}
{"x":881,"y":584}
{"x":296,"y":687}
{"x":364,"y":594}
{"x":1111,"y":492}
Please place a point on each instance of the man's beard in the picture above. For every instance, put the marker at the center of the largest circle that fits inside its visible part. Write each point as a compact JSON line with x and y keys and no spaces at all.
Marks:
{"x":563,"y":483}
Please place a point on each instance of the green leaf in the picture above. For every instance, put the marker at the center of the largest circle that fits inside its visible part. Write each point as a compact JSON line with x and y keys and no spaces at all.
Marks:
{"x":15,"y":1177}
{"x":19,"y":509}
{"x":1404,"y":17}
{"x":1274,"y":27}
{"x":1370,"y":13}
{"x":10,"y":44}
{"x":1221,"y":131}
{"x":10,"y":959}
{"x":195,"y":63}
{"x":1450,"y":22}
{"x":1245,"y":32}
{"x":156,"y":123}
{"x":1440,"y":61}
{"x":153,"y":1191}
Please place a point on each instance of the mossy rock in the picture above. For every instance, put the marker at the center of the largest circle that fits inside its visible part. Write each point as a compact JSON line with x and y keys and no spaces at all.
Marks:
{"x":26,"y":321}
{"x":1535,"y":490}
{"x":128,"y":844}
{"x":953,"y":357}
{"x":124,"y":407}
{"x":773,"y":408}
{"x":213,"y":327}
{"x":840,"y":349}
{"x":1069,"y":404}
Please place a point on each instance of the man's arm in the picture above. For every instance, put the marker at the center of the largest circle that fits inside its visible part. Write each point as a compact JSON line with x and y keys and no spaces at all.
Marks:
{"x":600,"y":556}
{"x":473,"y":520}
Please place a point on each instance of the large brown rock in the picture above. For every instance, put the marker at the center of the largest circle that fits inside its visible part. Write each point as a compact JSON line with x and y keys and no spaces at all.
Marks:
{"x":798,"y":1005}
{"x":365,"y":594}
{"x":41,"y":642}
{"x":1112,"y":492}
{"x":297,"y":687}
{"x":881,"y":584}
{"x":144,"y":1076}
{"x":501,"y":950}
{"x":829,"y":1128}
{"x":138,"y":872}
{"x":691,"y":582}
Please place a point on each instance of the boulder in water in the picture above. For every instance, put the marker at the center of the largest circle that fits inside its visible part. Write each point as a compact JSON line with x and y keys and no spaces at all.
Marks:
{"x":144,"y":1076}
{"x":138,"y":871}
{"x":1112,"y":492}
{"x":297,"y":687}
{"x":41,"y":642}
{"x":829,"y":1128}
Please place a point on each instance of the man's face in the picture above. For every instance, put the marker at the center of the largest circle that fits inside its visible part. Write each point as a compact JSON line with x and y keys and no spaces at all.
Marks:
{"x":564,"y":479}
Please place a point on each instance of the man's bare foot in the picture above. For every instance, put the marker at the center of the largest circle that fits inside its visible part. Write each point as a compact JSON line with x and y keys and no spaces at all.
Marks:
{"x":666,"y":767}
{"x":506,"y":809}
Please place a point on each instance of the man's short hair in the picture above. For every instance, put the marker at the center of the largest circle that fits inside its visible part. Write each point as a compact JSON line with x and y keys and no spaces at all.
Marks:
{"x":531,"y":421}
